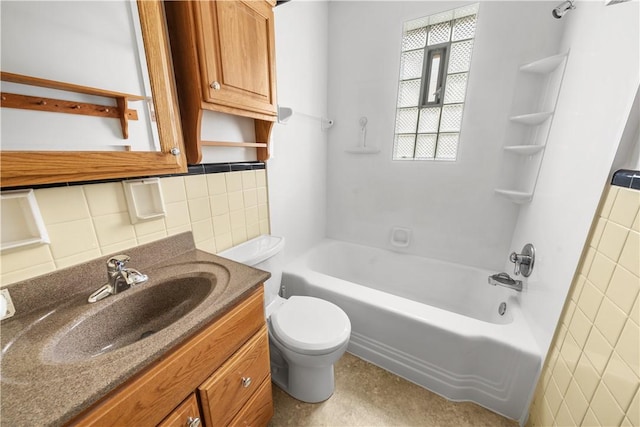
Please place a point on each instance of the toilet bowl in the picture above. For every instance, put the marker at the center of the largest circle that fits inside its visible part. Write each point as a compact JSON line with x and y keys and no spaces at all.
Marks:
{"x":307,"y":335}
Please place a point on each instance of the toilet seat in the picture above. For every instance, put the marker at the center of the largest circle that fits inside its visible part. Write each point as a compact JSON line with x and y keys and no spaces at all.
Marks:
{"x":310,"y":325}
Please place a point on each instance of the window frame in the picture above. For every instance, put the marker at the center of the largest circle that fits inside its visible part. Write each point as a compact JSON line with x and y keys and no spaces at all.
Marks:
{"x":429,"y":51}
{"x":408,"y":143}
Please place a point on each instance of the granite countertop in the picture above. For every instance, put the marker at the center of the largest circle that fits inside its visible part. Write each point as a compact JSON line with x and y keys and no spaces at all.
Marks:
{"x":50,"y":373}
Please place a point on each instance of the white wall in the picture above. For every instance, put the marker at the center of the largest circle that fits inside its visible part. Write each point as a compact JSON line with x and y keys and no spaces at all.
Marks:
{"x":598,"y":91}
{"x":95,"y":44}
{"x":297,"y":171}
{"x":628,"y":154}
{"x":451,"y":207}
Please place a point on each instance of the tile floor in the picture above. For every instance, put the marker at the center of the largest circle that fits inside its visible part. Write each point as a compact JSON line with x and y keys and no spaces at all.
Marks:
{"x":366,"y":395}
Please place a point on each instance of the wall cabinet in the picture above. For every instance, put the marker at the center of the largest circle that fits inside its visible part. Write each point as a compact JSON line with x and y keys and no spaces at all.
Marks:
{"x":224,"y":369}
{"x":224,"y":60}
{"x":237,"y":54}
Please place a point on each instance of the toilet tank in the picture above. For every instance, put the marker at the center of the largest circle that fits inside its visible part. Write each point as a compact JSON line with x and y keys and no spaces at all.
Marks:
{"x":263,"y":252}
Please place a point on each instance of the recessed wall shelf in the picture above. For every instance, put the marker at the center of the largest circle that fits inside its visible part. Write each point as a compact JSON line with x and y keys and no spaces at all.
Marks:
{"x":120,"y":111}
{"x":533,"y":119}
{"x":544,"y":65}
{"x":518,"y":197}
{"x":144,"y":199}
{"x":22,"y":223}
{"x":524,"y":150}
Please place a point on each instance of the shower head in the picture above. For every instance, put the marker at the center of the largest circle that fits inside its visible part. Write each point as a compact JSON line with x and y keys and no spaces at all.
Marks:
{"x":562,"y":8}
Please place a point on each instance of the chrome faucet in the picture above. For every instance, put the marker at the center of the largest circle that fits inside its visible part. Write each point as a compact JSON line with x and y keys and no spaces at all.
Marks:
{"x":503,"y":279}
{"x":119,"y":278}
{"x":524,"y":261}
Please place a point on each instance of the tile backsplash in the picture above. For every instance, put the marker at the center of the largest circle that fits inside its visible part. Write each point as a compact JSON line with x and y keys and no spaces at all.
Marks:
{"x":87,"y":221}
{"x":592,"y":374}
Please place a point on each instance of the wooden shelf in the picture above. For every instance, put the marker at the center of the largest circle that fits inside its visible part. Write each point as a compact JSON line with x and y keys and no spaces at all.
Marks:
{"x":544,"y":65}
{"x":518,"y":197}
{"x":25,"y":102}
{"x":234,"y":144}
{"x":532,"y":119}
{"x":524,"y":150}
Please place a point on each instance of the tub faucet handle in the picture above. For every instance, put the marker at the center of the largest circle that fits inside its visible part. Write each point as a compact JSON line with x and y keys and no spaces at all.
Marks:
{"x":523,"y":263}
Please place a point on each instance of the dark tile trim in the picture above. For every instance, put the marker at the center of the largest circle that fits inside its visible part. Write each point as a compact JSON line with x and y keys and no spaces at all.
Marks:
{"x":192,"y":170}
{"x":626,"y":178}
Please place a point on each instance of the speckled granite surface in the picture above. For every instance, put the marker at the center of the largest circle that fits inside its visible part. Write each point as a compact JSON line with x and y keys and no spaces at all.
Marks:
{"x":51,"y":369}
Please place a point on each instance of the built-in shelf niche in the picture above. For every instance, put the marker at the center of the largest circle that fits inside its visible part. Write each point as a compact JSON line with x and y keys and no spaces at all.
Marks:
{"x":22,"y":223}
{"x":525,"y":156}
{"x":144,"y":199}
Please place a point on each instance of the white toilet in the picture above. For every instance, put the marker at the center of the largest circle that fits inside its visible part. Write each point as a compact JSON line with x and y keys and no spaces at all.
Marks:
{"x":307,"y":335}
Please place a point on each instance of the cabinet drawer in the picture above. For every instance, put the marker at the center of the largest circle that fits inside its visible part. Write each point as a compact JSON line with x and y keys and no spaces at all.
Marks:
{"x":184,"y":415}
{"x":229,"y":388}
{"x":258,"y":410}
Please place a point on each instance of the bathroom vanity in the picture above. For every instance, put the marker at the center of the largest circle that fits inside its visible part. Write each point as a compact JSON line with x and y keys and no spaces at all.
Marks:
{"x":225,"y":367}
{"x":203,"y":357}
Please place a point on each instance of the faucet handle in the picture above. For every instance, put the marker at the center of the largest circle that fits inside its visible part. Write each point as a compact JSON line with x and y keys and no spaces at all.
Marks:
{"x":515,"y":259}
{"x":117,"y":262}
{"x":523,"y":263}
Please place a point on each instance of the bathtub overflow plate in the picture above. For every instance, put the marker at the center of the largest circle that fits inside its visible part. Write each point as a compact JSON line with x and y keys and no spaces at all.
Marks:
{"x":502,"y":308}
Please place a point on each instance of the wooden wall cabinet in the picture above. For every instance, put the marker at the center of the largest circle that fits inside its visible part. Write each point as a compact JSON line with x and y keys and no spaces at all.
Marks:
{"x":237,"y":54}
{"x":223,"y":369}
{"x":224,"y":60}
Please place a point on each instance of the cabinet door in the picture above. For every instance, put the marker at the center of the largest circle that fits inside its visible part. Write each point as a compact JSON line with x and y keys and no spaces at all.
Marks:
{"x":185,"y":415}
{"x":237,"y":54}
{"x":231,"y":386}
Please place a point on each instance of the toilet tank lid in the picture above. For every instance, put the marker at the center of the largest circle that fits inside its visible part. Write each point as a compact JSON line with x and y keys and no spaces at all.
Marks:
{"x":256,"y":250}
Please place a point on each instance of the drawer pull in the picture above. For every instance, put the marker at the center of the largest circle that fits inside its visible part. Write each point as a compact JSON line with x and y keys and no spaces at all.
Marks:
{"x":193,"y":422}
{"x":246,"y":382}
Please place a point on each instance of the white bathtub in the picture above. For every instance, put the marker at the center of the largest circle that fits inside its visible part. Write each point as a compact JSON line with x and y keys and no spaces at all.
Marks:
{"x":431,"y":322}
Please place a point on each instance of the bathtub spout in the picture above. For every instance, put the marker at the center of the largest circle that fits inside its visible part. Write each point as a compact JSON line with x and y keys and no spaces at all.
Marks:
{"x":503,"y":279}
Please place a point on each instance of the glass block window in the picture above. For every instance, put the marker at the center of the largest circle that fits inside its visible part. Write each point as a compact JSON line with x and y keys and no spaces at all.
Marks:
{"x":434,"y":69}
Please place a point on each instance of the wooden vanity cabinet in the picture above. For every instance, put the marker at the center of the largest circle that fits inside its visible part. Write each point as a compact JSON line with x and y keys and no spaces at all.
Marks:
{"x":224,"y":60}
{"x":219,"y":376}
{"x":185,"y":415}
{"x":230,"y":387}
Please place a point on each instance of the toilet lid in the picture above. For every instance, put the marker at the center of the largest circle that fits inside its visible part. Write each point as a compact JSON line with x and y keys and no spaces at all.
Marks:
{"x":307,"y":324}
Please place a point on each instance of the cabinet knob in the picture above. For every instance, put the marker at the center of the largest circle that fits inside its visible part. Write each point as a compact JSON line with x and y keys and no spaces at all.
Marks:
{"x":193,"y":422}
{"x":215,"y":86}
{"x":246,"y":382}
